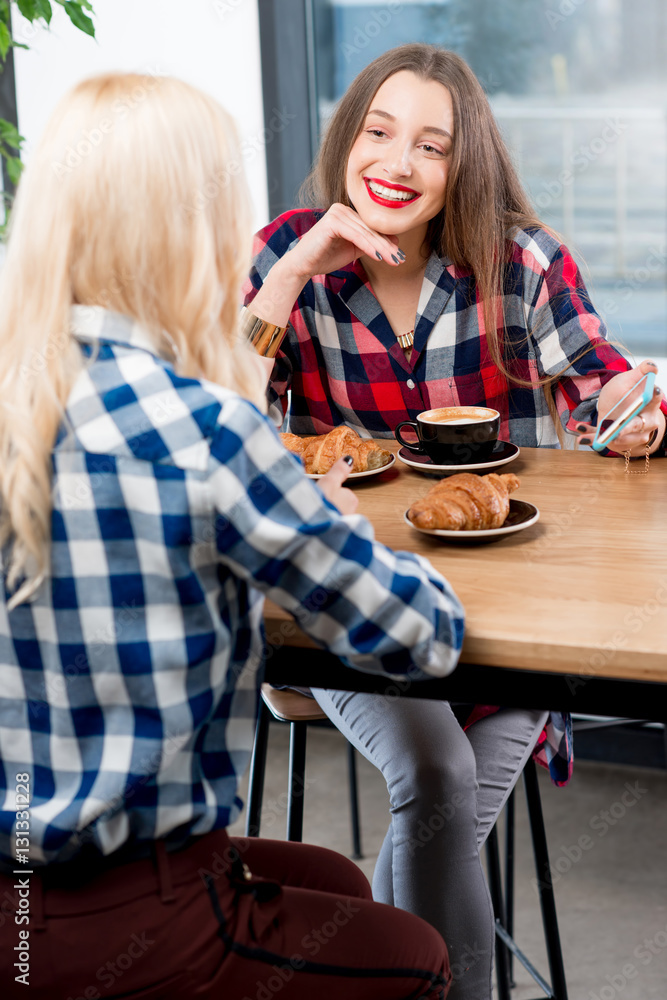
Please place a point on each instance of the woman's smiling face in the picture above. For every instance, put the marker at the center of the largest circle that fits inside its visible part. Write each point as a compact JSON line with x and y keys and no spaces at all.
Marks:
{"x":398,"y":166}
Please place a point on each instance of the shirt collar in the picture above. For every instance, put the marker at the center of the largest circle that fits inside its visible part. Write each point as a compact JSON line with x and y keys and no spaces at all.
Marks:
{"x":95,"y":323}
{"x":440,"y":280}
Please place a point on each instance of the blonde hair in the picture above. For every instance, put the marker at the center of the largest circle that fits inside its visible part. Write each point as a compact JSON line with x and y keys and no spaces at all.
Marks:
{"x":134,"y":200}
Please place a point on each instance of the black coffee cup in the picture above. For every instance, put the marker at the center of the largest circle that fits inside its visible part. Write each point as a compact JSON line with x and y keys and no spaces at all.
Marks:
{"x":453,"y":435}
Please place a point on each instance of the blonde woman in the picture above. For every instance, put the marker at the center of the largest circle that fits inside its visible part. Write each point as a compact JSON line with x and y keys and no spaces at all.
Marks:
{"x":146,"y":506}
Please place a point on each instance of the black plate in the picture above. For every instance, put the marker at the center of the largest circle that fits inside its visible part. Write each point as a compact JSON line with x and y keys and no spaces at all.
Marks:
{"x":522,"y":515}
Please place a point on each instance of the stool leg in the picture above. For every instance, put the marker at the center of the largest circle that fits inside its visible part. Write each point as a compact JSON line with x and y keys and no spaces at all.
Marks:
{"x":545,"y":885}
{"x":297,"y":780}
{"x":257,"y":770}
{"x":495,"y":889}
{"x":354,"y":802}
{"x":509,"y":880}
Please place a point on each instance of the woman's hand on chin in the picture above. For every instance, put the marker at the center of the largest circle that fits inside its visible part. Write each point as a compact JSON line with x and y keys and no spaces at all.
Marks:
{"x":335,"y":241}
{"x":639,"y":431}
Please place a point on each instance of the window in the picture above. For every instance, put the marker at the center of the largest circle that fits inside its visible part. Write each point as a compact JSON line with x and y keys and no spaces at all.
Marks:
{"x":579,"y":90}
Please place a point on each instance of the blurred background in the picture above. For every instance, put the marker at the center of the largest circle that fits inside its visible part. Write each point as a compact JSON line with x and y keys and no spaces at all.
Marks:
{"x":579,"y":88}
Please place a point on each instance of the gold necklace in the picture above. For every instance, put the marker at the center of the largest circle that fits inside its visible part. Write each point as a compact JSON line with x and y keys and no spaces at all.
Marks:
{"x":406,"y":339}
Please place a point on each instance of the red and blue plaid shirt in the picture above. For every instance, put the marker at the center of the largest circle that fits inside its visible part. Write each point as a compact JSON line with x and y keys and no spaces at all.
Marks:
{"x":341,"y":362}
{"x":343,"y":365}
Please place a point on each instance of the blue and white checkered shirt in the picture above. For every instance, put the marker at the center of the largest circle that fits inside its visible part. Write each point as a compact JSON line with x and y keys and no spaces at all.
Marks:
{"x":129,"y":685}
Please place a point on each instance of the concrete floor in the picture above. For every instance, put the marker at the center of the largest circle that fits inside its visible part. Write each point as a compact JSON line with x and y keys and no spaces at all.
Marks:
{"x":611,"y":896}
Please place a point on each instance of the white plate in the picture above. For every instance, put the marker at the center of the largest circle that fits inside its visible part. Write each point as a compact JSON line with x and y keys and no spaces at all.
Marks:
{"x":503,"y":453}
{"x":522,"y":515}
{"x":359,"y":475}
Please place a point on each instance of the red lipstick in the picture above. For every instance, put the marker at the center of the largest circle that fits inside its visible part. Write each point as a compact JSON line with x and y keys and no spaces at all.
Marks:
{"x":385,"y":202}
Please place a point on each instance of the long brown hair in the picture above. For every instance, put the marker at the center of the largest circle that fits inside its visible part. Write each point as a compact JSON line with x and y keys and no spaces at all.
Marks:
{"x":484,"y":198}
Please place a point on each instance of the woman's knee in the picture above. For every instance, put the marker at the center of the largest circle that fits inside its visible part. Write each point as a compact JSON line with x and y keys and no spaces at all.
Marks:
{"x":328,"y":871}
{"x":338,"y":873}
{"x":433,"y":777}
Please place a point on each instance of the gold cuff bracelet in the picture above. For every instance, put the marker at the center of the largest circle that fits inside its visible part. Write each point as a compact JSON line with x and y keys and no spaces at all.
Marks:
{"x":265,"y":337}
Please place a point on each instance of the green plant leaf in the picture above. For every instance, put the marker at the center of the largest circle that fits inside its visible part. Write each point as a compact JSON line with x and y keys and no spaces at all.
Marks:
{"x":14,"y":168}
{"x":44,"y":8}
{"x":28,"y":8}
{"x":9,"y":134}
{"x":78,"y":18}
{"x":5,"y":39}
{"x":77,"y":3}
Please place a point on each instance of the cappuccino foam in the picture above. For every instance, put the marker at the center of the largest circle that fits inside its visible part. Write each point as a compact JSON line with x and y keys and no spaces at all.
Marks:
{"x":453,"y":415}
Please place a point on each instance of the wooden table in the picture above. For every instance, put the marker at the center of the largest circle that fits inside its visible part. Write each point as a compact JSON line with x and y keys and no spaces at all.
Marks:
{"x":569,"y":614}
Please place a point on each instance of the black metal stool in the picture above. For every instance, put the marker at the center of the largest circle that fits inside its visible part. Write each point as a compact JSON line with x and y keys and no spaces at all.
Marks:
{"x":300,"y":712}
{"x":503,"y":908}
{"x":506,"y":948}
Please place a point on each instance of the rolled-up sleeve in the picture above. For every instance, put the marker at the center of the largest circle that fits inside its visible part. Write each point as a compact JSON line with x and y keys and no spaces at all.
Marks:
{"x":570,"y":341}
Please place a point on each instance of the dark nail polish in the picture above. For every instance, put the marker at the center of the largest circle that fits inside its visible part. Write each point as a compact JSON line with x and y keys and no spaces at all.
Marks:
{"x":401,"y":254}
{"x":349,"y":460}
{"x":657,"y":390}
{"x":585,"y":441}
{"x":378,"y":255}
{"x":581,"y":428}
{"x":394,"y":258}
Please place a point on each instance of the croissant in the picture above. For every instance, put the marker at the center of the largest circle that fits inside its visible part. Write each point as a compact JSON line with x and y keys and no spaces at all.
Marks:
{"x":465,"y":502}
{"x":295,"y":443}
{"x":321,"y":451}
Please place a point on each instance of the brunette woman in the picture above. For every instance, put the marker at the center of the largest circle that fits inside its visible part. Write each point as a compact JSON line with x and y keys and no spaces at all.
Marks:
{"x":421,"y":279}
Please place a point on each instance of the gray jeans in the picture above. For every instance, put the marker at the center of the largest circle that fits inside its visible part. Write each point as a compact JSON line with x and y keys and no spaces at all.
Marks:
{"x":446,"y":789}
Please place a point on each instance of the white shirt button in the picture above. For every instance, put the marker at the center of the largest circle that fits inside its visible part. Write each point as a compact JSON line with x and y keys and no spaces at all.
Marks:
{"x":411,"y":384}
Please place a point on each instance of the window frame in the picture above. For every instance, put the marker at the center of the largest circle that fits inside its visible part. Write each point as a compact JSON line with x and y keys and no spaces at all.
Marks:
{"x":289,"y":87}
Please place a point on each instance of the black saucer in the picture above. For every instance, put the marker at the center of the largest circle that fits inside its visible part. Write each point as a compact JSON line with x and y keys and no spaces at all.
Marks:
{"x":503,"y":453}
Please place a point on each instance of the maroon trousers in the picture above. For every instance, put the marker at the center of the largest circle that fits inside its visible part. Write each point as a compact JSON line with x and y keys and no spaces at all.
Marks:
{"x":231,"y":919}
